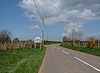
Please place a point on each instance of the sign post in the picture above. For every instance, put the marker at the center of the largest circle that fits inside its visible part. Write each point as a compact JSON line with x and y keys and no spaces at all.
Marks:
{"x":37,"y":40}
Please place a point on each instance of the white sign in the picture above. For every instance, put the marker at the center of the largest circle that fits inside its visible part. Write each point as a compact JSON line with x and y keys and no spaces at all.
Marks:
{"x":37,"y":40}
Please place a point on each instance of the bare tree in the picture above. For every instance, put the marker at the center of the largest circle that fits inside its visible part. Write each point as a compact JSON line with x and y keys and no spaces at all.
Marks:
{"x":79,"y":37}
{"x":73,"y":31}
{"x":5,"y":36}
{"x":16,"y":39}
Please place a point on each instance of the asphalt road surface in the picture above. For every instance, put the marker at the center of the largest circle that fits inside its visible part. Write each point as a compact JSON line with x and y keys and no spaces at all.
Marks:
{"x":62,"y":60}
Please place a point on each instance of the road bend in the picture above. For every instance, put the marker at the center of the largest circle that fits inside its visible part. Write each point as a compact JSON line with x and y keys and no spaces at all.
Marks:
{"x":62,"y":60}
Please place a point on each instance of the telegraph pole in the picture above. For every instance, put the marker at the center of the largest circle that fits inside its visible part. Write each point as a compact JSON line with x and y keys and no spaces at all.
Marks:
{"x":73,"y":33}
{"x":43,"y":32}
{"x":47,"y":36}
{"x":42,"y":22}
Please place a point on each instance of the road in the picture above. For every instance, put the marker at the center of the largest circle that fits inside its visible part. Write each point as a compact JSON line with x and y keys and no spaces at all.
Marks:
{"x":62,"y":60}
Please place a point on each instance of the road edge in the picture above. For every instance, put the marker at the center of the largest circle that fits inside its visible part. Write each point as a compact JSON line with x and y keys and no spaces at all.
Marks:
{"x":40,"y":69}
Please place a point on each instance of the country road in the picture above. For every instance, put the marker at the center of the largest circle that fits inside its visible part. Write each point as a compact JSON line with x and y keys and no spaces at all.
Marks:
{"x":62,"y":60}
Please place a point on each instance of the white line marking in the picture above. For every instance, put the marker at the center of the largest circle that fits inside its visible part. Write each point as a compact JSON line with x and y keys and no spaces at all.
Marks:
{"x":65,"y":52}
{"x":87,"y":64}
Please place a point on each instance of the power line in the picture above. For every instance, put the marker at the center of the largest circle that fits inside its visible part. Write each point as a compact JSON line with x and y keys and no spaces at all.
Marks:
{"x":42,"y":22}
{"x":37,"y":9}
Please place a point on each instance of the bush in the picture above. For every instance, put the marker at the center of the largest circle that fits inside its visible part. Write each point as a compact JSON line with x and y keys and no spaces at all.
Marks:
{"x":90,"y":43}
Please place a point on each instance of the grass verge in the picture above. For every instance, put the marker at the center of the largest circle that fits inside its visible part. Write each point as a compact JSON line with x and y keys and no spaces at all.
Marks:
{"x":93,"y":51}
{"x":21,"y":60}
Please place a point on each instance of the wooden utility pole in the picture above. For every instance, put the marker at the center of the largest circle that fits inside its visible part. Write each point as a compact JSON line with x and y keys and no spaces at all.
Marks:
{"x":43,"y":32}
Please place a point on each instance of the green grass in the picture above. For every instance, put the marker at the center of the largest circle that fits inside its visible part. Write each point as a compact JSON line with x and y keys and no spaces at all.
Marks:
{"x":21,"y":60}
{"x":93,"y":51}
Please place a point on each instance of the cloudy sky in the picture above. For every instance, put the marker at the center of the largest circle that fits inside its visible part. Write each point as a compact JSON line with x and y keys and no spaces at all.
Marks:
{"x":21,"y":17}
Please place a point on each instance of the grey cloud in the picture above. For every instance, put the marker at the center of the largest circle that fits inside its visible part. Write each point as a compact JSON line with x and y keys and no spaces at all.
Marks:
{"x":63,"y":10}
{"x":69,"y":11}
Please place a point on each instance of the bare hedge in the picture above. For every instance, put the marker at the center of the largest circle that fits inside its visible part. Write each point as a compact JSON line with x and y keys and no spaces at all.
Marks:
{"x":16,"y":45}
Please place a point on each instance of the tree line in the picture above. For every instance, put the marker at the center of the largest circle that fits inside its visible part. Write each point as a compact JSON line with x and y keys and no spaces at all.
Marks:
{"x":6,"y":42}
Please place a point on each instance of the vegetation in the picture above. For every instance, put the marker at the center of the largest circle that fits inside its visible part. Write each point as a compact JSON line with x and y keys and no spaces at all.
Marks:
{"x":93,"y":51}
{"x":90,"y":43}
{"x":5,"y":36}
{"x":52,"y":42}
{"x":27,"y":60}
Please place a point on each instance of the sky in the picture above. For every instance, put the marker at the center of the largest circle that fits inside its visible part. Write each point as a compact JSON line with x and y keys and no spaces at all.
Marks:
{"x":20,"y":17}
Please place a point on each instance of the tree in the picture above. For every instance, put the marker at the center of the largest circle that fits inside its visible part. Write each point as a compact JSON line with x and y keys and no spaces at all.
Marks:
{"x":91,"y":42}
{"x":5,"y":36}
{"x":80,"y":38}
{"x":73,"y":31}
{"x":16,"y":40}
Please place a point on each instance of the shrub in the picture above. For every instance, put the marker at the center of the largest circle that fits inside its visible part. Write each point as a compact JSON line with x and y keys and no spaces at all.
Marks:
{"x":90,"y":43}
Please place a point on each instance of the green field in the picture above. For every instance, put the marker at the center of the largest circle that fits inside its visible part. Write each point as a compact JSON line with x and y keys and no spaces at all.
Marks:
{"x":21,"y":60}
{"x":93,"y":51}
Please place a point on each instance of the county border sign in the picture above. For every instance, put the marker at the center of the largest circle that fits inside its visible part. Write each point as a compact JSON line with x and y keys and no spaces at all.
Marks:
{"x":38,"y":40}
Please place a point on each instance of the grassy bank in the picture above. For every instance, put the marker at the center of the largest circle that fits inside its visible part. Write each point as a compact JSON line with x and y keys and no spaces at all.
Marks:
{"x":93,"y":51}
{"x":21,"y":60}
